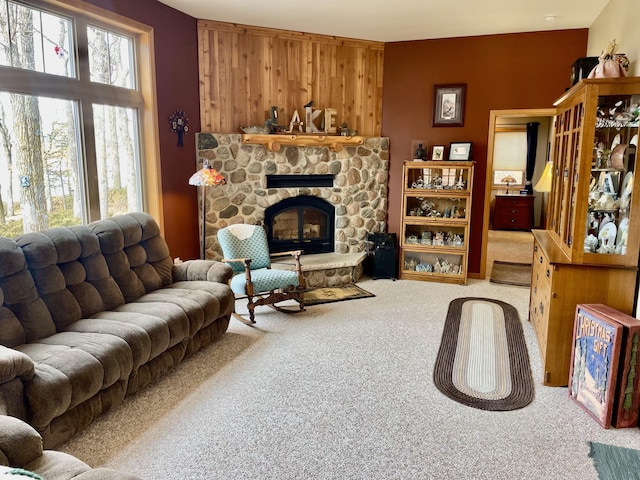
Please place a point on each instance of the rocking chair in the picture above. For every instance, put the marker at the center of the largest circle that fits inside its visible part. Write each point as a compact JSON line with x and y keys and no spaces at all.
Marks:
{"x":246,"y":250}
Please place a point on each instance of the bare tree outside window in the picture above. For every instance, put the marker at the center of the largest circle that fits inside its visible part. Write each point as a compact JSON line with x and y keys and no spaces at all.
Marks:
{"x":46,"y":170}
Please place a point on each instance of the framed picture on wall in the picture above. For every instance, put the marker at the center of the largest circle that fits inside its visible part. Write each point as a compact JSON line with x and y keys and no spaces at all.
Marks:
{"x":448,"y":105}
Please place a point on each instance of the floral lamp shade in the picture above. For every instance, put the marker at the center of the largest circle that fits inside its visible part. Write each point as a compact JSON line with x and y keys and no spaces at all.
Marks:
{"x":207,"y":176}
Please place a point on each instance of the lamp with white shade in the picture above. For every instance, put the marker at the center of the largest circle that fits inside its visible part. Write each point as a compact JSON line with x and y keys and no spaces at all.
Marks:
{"x":544,"y":186}
{"x":544,"y":183}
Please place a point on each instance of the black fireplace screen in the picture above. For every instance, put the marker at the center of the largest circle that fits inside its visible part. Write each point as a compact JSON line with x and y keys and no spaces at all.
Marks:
{"x":301,"y":223}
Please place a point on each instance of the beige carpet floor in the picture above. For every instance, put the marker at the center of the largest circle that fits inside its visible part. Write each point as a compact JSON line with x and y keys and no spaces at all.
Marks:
{"x":343,"y":391}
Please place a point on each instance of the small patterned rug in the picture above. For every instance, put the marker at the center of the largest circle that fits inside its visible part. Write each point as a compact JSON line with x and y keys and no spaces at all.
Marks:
{"x":317,"y":296}
{"x":509,"y":273}
{"x":483,"y":360}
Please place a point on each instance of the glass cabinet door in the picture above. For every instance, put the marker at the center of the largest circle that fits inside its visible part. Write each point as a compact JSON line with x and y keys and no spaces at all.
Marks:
{"x":613,"y":160}
{"x":452,"y":177}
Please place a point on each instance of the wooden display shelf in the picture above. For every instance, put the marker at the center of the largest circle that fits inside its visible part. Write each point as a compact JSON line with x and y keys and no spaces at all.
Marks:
{"x":274,"y":142}
{"x":454,"y":182}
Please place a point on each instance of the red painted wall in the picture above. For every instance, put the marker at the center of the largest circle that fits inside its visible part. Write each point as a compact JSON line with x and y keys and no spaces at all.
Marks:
{"x":527,"y":70}
{"x":176,"y":58}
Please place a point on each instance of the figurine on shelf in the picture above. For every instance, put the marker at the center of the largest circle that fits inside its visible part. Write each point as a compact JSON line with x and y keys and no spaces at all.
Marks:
{"x":410,"y":264}
{"x":427,"y":207}
{"x":459,"y":213}
{"x":345,"y":131}
{"x":611,"y":64}
{"x":419,"y":153}
{"x":437,"y":267}
{"x":592,"y":224}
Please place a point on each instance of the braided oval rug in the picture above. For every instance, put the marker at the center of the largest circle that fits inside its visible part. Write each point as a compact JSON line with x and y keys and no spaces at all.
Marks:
{"x":483,"y":361}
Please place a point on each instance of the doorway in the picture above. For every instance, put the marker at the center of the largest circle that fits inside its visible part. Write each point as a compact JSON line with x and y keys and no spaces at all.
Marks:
{"x":506,"y":120}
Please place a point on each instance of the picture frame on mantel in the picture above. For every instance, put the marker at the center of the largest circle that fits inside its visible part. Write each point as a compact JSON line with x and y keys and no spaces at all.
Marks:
{"x":448,"y":105}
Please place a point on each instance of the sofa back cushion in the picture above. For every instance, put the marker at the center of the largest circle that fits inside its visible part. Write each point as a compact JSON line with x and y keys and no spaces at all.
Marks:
{"x":23,"y":315}
{"x":70,"y":273}
{"x":137,"y":256}
{"x":52,"y":278}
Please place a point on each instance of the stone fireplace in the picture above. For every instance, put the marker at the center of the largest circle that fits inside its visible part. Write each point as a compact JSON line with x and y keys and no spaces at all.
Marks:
{"x":353,"y":181}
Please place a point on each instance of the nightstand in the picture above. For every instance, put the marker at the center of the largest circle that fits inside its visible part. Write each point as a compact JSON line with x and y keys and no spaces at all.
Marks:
{"x":513,"y":212}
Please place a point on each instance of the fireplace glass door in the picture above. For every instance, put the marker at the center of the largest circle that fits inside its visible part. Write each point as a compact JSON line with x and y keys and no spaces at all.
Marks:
{"x":302,"y":226}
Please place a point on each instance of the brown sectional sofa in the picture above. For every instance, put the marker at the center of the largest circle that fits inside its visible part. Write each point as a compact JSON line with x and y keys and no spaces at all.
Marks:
{"x":21,"y":450}
{"x":89,"y":314}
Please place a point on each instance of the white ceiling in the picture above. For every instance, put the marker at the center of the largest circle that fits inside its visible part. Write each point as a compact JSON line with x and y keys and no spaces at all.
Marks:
{"x":390,"y":21}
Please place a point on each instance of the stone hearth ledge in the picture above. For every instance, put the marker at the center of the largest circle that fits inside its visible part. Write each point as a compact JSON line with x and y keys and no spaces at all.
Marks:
{"x":327,"y":269}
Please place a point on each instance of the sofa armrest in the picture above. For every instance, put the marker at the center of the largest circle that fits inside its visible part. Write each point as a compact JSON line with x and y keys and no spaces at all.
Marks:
{"x":20,"y":443}
{"x":210,"y":270}
{"x":15,"y":364}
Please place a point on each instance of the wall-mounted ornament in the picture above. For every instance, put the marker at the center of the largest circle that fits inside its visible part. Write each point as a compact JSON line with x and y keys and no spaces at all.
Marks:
{"x":179,"y":123}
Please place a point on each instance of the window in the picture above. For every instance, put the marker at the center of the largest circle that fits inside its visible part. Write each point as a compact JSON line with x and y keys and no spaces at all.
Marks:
{"x":74,"y":143}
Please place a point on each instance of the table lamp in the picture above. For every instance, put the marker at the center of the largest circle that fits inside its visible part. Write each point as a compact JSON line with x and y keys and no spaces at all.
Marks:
{"x":508,"y":179}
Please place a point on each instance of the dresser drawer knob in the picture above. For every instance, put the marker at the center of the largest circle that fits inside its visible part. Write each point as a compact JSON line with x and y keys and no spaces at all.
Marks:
{"x":514,"y":211}
{"x":554,"y":295}
{"x":541,"y":309}
{"x":548,"y":273}
{"x":540,"y":259}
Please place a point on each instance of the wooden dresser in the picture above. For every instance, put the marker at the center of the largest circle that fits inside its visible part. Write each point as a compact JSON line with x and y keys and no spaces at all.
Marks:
{"x":513,"y":212}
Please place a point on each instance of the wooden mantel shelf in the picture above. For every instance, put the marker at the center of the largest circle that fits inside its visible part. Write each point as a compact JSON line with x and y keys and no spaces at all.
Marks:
{"x":274,"y":142}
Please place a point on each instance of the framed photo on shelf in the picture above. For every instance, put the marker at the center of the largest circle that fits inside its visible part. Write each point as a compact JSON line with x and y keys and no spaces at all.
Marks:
{"x":460,"y":151}
{"x":438,"y":152}
{"x":448,"y":105}
{"x":595,"y":354}
{"x":609,"y":184}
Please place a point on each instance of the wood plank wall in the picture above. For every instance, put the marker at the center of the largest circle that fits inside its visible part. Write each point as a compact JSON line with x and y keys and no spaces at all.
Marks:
{"x":245,"y":70}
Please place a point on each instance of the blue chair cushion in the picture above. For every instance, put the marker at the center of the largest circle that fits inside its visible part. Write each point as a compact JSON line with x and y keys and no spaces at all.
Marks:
{"x":264,"y":280}
{"x":245,"y":241}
